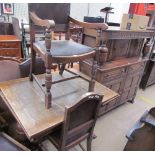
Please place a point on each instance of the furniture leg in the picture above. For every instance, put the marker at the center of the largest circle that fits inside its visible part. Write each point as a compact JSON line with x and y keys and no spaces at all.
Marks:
{"x":62,"y":68}
{"x":32,"y":68}
{"x":89,"y":141}
{"x":48,"y":84}
{"x":93,"y":76}
{"x":132,"y":100}
{"x":82,"y":147}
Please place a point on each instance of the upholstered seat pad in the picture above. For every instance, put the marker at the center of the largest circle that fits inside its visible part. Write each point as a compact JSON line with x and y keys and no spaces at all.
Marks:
{"x":62,"y":48}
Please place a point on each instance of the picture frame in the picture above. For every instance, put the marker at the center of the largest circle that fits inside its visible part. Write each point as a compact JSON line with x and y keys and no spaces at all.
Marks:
{"x":8,"y":8}
{"x":2,"y":19}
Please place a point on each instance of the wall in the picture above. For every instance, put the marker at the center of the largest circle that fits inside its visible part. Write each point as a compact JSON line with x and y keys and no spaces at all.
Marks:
{"x":79,"y":10}
{"x":20,"y":11}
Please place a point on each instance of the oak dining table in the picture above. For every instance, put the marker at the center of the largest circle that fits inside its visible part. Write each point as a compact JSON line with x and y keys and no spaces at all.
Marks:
{"x":25,"y":100}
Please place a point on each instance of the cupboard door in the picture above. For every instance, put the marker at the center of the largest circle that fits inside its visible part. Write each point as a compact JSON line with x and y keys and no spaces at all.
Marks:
{"x":136,"y":68}
{"x":130,"y":88}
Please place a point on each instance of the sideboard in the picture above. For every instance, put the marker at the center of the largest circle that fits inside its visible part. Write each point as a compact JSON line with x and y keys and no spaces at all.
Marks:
{"x":121,"y":60}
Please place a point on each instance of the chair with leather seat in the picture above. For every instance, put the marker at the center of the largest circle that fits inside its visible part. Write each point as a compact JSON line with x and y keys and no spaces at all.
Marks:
{"x":47,"y":18}
{"x":79,"y":123}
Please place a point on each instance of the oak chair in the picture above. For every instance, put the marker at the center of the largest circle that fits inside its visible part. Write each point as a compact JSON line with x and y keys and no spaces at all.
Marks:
{"x":9,"y":68}
{"x":12,"y":68}
{"x":79,"y":123}
{"x":57,"y":51}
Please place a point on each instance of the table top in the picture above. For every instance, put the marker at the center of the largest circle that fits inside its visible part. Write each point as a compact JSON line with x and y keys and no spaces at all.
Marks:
{"x":4,"y":38}
{"x":26,"y":101}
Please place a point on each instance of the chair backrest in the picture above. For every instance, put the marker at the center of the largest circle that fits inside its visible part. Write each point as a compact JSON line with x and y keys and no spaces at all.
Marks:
{"x":80,"y":119}
{"x":25,"y":67}
{"x":9,"y":69}
{"x":16,"y":27}
{"x":59,"y":12}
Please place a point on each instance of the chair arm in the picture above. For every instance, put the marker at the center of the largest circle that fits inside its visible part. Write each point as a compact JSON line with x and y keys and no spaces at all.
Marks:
{"x":40,"y":22}
{"x":102,"y":26}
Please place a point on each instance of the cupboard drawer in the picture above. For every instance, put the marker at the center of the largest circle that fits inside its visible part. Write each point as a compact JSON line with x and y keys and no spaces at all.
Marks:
{"x":112,"y":74}
{"x":108,"y":106}
{"x":9,"y":44}
{"x":12,"y":52}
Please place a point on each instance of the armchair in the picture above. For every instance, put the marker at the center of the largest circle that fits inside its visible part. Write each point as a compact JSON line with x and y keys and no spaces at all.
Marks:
{"x":58,"y":51}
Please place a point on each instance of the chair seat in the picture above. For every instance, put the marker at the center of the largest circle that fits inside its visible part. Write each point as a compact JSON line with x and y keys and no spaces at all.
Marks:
{"x":144,"y":139}
{"x":65,"y":50}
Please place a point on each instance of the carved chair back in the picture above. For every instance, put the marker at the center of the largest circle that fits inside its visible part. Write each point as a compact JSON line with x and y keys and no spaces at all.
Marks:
{"x":9,"y":68}
{"x":16,"y":28}
{"x":80,"y":120}
{"x":52,"y":11}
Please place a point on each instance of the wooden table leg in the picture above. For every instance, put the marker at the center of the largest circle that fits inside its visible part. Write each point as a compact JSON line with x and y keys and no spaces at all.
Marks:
{"x":93,"y":76}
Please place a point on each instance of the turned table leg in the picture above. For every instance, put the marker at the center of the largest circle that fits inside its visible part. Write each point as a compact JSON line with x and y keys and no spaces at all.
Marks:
{"x":93,"y":76}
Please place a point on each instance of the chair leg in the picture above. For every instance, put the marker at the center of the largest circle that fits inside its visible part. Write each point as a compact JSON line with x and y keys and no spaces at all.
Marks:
{"x":89,"y":141}
{"x":62,"y":68}
{"x":82,"y":147}
{"x":48,"y":84}
{"x":33,"y":60}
